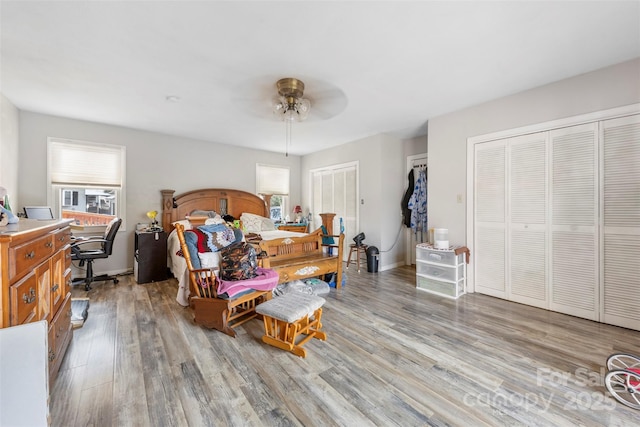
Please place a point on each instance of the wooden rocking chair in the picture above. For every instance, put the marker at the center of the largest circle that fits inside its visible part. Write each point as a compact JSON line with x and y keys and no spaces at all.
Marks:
{"x":210,"y":310}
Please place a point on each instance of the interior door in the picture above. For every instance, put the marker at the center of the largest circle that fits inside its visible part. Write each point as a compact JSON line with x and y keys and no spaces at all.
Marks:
{"x":527,"y":281}
{"x":490,"y":211}
{"x":574,"y":217}
{"x":335,"y":189}
{"x":621,"y":221}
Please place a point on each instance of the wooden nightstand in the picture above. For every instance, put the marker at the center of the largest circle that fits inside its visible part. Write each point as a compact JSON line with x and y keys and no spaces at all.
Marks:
{"x":292,"y":226}
{"x":150,"y":263}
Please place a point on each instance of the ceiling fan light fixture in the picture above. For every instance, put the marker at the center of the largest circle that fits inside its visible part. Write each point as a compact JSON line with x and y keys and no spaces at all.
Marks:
{"x":290,"y":106}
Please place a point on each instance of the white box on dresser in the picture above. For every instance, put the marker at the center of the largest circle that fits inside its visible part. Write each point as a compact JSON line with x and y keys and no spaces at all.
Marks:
{"x":441,"y":271}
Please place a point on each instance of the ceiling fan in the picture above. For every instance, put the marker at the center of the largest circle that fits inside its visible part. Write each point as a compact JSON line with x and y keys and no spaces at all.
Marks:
{"x":291,"y":99}
{"x":256,"y":96}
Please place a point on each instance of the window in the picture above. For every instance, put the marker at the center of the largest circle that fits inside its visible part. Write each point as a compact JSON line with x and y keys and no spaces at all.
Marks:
{"x":86,"y":180}
{"x":272,"y":182}
{"x":69,"y":198}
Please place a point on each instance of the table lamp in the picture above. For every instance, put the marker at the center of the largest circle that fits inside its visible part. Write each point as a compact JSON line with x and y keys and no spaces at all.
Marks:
{"x":154,"y":223}
{"x":298,"y":210}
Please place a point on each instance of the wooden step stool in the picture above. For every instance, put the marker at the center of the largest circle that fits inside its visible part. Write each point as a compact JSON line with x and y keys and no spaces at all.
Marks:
{"x":359,"y":250}
{"x":289,"y":316}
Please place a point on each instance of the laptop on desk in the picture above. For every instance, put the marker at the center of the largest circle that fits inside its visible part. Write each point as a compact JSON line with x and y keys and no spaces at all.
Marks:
{"x":38,"y":212}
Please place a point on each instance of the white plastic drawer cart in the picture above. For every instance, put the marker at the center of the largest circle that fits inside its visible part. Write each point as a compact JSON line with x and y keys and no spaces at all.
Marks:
{"x":441,"y":271}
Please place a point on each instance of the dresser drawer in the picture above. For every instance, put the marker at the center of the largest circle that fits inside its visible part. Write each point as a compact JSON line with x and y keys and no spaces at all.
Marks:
{"x":67,"y":258}
{"x":28,"y":255}
{"x":60,"y":333}
{"x":62,"y":238}
{"x":24,"y":300}
{"x":447,"y":289}
{"x":433,"y":255}
{"x":62,"y":323}
{"x":439,"y":272}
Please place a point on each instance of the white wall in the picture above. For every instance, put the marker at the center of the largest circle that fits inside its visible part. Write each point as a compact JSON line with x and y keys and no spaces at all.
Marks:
{"x":610,"y":87}
{"x":154,"y":162}
{"x":9,"y":151}
{"x":382,"y":164}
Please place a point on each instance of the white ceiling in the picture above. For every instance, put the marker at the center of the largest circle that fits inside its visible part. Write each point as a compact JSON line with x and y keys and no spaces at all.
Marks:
{"x":369,"y":67}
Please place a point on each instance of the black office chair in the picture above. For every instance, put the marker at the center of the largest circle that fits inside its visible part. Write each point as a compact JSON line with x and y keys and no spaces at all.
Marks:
{"x":89,"y":255}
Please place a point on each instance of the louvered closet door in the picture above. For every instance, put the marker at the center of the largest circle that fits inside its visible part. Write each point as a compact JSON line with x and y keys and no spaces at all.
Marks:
{"x":336,"y":190}
{"x":345,"y":201}
{"x":527,"y":261}
{"x":490,"y":217}
{"x":621,"y":219}
{"x":574,"y":212}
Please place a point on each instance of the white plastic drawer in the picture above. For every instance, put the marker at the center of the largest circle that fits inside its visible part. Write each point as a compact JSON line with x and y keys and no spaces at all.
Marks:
{"x":453,"y":290}
{"x":439,"y":272}
{"x":432,"y":255}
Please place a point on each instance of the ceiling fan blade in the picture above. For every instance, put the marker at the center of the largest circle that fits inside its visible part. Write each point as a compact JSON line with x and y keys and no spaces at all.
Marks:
{"x":255,"y":97}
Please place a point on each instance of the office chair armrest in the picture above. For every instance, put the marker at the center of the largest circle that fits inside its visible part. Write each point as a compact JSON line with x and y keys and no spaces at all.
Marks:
{"x":86,"y":240}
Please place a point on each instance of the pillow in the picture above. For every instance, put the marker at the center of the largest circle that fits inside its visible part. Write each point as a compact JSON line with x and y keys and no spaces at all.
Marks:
{"x":185,"y":223}
{"x":252,"y":223}
{"x":209,"y":259}
{"x":267,"y":225}
{"x":218,"y":236}
{"x":208,"y":214}
{"x":215,"y":220}
{"x":191,"y":239}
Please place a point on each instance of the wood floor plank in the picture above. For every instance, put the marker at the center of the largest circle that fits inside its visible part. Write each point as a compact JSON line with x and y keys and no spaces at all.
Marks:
{"x":130,"y":398}
{"x":95,"y":407}
{"x":394,"y":356}
{"x":66,"y":394}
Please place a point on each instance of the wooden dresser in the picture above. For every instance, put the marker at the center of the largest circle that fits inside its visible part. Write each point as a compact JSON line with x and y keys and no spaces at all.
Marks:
{"x":292,"y":226}
{"x":35,"y":275}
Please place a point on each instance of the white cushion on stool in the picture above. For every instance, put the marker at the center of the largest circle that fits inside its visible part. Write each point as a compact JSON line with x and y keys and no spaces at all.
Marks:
{"x":290,"y":307}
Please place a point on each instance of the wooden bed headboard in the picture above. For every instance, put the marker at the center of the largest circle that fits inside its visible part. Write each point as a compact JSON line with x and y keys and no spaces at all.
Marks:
{"x":221,"y":200}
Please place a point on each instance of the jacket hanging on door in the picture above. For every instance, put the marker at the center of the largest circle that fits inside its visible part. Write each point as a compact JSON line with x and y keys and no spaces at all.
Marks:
{"x":406,"y":211}
{"x":418,"y":204}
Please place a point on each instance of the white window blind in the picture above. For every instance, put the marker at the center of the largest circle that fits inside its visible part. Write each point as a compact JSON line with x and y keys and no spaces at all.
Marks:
{"x":272,"y":180}
{"x":86,"y":164}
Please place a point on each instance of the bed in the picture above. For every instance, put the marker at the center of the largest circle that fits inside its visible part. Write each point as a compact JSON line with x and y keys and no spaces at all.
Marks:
{"x":177,"y":208}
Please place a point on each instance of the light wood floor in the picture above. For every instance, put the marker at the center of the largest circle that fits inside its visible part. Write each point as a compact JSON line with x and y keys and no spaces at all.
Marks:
{"x":393,"y":356}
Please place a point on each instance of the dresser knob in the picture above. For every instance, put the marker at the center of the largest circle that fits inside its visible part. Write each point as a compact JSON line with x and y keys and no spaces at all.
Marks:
{"x":30,"y":255}
{"x":48,"y":245}
{"x":28,"y":299}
